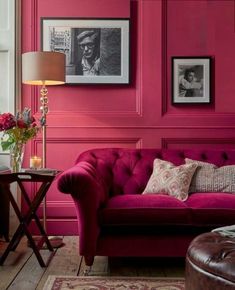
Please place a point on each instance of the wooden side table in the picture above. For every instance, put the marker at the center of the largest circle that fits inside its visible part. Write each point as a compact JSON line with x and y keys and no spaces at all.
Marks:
{"x":46,"y":180}
{"x":4,"y":212}
{"x":4,"y":207}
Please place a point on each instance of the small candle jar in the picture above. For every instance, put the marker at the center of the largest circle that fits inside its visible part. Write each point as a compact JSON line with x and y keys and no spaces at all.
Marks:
{"x":35,"y":162}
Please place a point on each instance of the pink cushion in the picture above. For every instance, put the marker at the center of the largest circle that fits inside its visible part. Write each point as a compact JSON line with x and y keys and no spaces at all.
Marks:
{"x":212,"y":208}
{"x":170,"y":179}
{"x":148,"y":209}
{"x":210,"y":178}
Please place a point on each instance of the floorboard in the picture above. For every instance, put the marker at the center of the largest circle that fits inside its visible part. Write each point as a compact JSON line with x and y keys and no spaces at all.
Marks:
{"x":14,"y":263}
{"x":21,"y":269}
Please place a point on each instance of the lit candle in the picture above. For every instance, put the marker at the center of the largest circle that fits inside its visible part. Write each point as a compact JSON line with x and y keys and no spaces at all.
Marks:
{"x":35,"y":162}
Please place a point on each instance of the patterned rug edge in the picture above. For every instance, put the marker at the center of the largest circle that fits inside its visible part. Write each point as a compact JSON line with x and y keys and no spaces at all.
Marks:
{"x":54,"y":282}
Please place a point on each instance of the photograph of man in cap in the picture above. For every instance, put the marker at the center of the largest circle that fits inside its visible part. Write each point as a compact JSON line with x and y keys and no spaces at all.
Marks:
{"x":89,"y":46}
{"x":96,"y":50}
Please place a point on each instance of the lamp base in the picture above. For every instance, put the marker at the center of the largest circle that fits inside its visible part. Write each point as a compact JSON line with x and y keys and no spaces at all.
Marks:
{"x":56,"y":242}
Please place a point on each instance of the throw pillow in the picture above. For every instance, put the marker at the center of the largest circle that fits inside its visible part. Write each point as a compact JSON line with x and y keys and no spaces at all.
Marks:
{"x":210,"y":178}
{"x":170,"y":179}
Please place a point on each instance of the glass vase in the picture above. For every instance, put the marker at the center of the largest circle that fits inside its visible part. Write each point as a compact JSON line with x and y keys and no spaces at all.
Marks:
{"x":16,"y":156}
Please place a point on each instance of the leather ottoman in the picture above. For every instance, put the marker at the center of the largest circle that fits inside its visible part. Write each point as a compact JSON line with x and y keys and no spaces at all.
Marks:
{"x":210,"y":263}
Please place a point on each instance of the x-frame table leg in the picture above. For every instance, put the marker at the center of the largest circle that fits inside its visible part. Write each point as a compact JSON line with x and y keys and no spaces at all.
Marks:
{"x":25,"y":221}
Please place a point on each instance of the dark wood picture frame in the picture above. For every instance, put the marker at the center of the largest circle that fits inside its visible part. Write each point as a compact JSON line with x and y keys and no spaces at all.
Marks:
{"x":191,"y":80}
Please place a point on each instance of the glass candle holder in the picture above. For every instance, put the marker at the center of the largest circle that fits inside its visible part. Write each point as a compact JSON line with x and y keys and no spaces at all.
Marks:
{"x":35,"y":162}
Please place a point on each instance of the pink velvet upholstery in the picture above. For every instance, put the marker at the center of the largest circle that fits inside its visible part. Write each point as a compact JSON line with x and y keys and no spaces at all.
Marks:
{"x":114,"y":219}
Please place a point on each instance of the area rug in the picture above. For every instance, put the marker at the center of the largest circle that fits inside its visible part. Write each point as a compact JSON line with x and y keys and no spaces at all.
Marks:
{"x":112,"y":283}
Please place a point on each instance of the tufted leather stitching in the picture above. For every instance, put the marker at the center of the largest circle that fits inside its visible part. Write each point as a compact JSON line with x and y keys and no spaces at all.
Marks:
{"x":215,"y":254}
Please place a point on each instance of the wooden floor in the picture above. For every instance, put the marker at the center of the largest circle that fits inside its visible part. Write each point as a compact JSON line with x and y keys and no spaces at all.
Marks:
{"x":22,"y":271}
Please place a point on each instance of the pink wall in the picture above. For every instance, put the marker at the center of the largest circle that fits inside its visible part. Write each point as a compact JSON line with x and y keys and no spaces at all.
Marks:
{"x":140,"y":114}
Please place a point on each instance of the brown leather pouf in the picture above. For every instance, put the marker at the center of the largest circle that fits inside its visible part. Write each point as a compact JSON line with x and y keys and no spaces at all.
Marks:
{"x":210,"y":263}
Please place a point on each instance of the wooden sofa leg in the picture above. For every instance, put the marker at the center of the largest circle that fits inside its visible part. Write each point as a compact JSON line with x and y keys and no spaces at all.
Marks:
{"x":87,"y":270}
{"x":89,"y":260}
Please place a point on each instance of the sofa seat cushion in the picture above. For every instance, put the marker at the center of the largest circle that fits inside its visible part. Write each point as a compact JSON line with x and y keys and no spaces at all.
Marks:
{"x":147,"y":209}
{"x":213,"y":209}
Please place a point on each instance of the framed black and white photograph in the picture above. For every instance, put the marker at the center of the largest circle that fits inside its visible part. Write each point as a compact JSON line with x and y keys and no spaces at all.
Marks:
{"x":191,"y":80}
{"x":97,"y":50}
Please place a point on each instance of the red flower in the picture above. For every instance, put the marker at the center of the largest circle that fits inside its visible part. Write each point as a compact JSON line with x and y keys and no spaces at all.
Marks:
{"x":32,"y":119}
{"x":21,"y":124}
{"x":7,"y":121}
{"x":17,"y":129}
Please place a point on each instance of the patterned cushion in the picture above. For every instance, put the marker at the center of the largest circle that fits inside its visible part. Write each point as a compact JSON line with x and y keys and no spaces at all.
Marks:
{"x":210,"y":178}
{"x":170,"y":179}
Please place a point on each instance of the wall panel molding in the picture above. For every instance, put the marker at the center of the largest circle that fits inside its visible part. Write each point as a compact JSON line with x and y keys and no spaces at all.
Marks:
{"x":94,"y":140}
{"x":164,"y":58}
{"x":166,"y":142}
{"x":166,"y":127}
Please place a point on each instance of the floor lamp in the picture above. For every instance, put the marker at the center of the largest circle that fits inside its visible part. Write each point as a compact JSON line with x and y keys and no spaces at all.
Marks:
{"x":44,"y":68}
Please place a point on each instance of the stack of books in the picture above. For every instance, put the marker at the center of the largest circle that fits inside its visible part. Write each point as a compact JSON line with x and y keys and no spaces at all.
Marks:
{"x":41,"y":170}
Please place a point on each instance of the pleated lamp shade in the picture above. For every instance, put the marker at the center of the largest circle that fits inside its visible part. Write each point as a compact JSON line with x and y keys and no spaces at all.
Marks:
{"x":43,"y":68}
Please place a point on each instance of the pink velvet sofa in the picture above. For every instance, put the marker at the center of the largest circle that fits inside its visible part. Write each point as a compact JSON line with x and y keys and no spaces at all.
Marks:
{"x":115,"y":219}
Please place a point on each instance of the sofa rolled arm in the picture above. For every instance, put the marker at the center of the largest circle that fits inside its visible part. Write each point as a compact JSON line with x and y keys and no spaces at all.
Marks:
{"x":89,"y":192}
{"x":81,"y":178}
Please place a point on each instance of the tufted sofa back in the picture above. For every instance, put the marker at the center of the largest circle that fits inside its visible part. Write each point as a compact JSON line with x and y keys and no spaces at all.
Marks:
{"x":126,"y":171}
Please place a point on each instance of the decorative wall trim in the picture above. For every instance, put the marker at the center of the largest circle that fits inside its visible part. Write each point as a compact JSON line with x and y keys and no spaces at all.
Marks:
{"x":18,"y":36}
{"x":34,"y":31}
{"x":137,"y":141}
{"x":234,"y":15}
{"x":139,"y":80}
{"x":34,"y":47}
{"x":167,"y":127}
{"x":96,"y":140}
{"x":169,"y":141}
{"x":53,"y":205}
{"x":164,"y":58}
{"x":73,"y":114}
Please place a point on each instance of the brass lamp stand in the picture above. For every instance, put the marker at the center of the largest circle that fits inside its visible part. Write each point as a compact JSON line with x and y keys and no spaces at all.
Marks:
{"x":44,"y":111}
{"x":44,"y":68}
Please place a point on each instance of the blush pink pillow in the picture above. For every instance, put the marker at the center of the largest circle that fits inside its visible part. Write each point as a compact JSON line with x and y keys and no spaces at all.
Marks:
{"x":170,"y":179}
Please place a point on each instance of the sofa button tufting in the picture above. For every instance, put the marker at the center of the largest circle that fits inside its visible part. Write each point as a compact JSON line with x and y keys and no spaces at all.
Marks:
{"x":203,"y":156}
{"x":225,"y":156}
{"x":181,"y":155}
{"x":116,"y":154}
{"x":129,"y":172}
{"x":159,"y":156}
{"x":138,"y":155}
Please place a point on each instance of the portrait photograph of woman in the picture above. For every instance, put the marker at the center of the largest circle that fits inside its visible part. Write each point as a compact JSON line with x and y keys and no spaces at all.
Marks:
{"x":190,"y":80}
